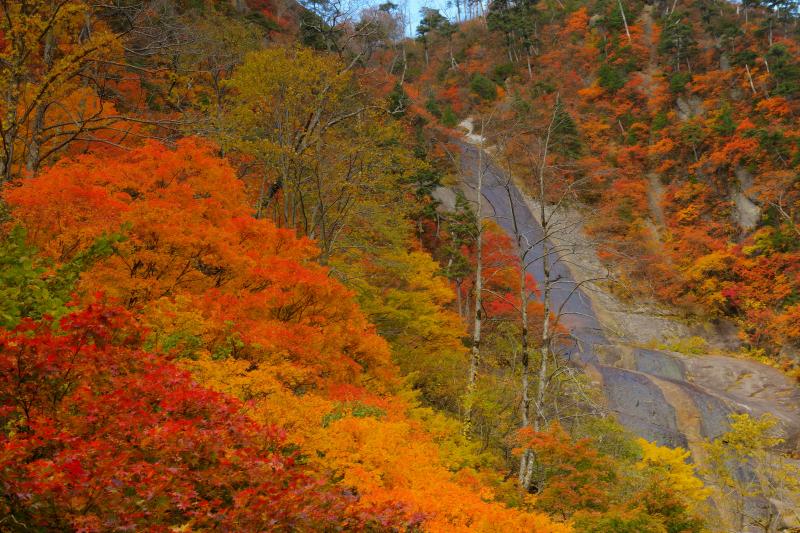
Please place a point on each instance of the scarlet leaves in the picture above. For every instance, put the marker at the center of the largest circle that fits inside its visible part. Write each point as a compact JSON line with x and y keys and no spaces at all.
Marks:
{"x":101,"y":435}
{"x":572,"y":475}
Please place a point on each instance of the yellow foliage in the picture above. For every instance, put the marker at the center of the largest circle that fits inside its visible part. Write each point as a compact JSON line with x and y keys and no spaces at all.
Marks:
{"x":386,"y":457}
{"x":390,"y":460}
{"x":670,"y":464}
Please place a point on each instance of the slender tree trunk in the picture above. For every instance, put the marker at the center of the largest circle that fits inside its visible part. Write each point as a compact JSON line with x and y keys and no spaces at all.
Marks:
{"x":528,"y":59}
{"x":624,"y":20}
{"x":750,"y":78}
{"x":9,"y":137}
{"x":262,"y":191}
{"x":548,"y":285}
{"x":475,"y":352}
{"x":541,"y":380}
{"x":523,"y":248}
{"x":405,"y":67}
{"x":525,"y":407}
{"x":458,"y":299}
{"x":32,"y":163}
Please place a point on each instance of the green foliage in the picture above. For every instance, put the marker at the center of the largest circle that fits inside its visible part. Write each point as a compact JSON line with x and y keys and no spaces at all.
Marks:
{"x":692,"y":133}
{"x":426,"y":180}
{"x":501,"y":72}
{"x":355,"y":409}
{"x":774,"y":142}
{"x":449,"y":118}
{"x":660,"y":121}
{"x":612,"y":16}
{"x":433,"y":107}
{"x":30,"y":287}
{"x":483,"y":87}
{"x":186,"y":344}
{"x":724,"y":123}
{"x":625,"y":210}
{"x":678,"y":82}
{"x":609,"y":437}
{"x":565,"y":135}
{"x":677,"y":39}
{"x":315,"y":33}
{"x":779,"y":238}
{"x":230,"y":346}
{"x":521,"y":107}
{"x":785,"y":71}
{"x":611,"y":78}
{"x":431,"y":20}
{"x":745,"y":57}
{"x":462,"y":226}
{"x":516,"y":20}
{"x":542,"y":87}
{"x":619,"y":521}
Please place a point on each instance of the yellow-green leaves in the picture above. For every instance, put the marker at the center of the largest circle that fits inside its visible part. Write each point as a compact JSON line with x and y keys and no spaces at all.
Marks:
{"x":672,"y":466}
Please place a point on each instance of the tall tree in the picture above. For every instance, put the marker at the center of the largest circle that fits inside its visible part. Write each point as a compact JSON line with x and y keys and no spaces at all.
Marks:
{"x":477,"y":317}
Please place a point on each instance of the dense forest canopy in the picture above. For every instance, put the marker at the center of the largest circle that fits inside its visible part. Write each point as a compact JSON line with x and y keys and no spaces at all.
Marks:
{"x":254,"y":276}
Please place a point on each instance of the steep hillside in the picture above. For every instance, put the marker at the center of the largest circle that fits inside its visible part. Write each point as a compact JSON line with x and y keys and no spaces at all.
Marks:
{"x":241,"y":290}
{"x":660,"y":138}
{"x":685,"y":142}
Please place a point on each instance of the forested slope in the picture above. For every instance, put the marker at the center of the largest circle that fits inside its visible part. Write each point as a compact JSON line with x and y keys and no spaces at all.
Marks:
{"x":230,"y":300}
{"x":683,"y":140}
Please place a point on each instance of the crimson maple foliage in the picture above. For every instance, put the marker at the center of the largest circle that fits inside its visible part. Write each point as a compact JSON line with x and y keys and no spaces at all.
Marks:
{"x":573,"y":474}
{"x":99,"y":434}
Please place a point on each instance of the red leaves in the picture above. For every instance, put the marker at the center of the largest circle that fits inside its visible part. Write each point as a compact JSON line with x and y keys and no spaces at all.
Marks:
{"x":100,"y":435}
{"x":575,"y":475}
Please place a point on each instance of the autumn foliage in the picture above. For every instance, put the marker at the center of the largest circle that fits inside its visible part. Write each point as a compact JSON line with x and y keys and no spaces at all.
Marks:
{"x":246,"y":308}
{"x":235,"y":301}
{"x":687,"y":157}
{"x":100,"y":434}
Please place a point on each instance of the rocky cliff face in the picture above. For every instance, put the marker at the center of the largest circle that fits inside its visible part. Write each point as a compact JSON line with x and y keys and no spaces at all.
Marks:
{"x":662,"y":395}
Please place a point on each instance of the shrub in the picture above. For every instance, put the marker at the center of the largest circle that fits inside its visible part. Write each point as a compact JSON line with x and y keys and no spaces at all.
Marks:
{"x":483,"y":87}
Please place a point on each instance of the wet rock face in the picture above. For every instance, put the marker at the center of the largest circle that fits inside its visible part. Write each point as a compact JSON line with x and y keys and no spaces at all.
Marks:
{"x":641,"y":406}
{"x":659,"y":364}
{"x":667,"y":397}
{"x":749,"y":386}
{"x":711,"y":387}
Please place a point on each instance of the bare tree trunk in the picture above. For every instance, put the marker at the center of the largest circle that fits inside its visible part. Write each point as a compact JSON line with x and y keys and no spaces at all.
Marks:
{"x":541,"y":380}
{"x":32,"y":163}
{"x":475,"y":352}
{"x":547,"y":293}
{"x":750,"y":78}
{"x":458,"y":299}
{"x":624,"y":20}
{"x":527,"y":456}
{"x":524,"y":247}
{"x":786,"y":216}
{"x":528,"y":59}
